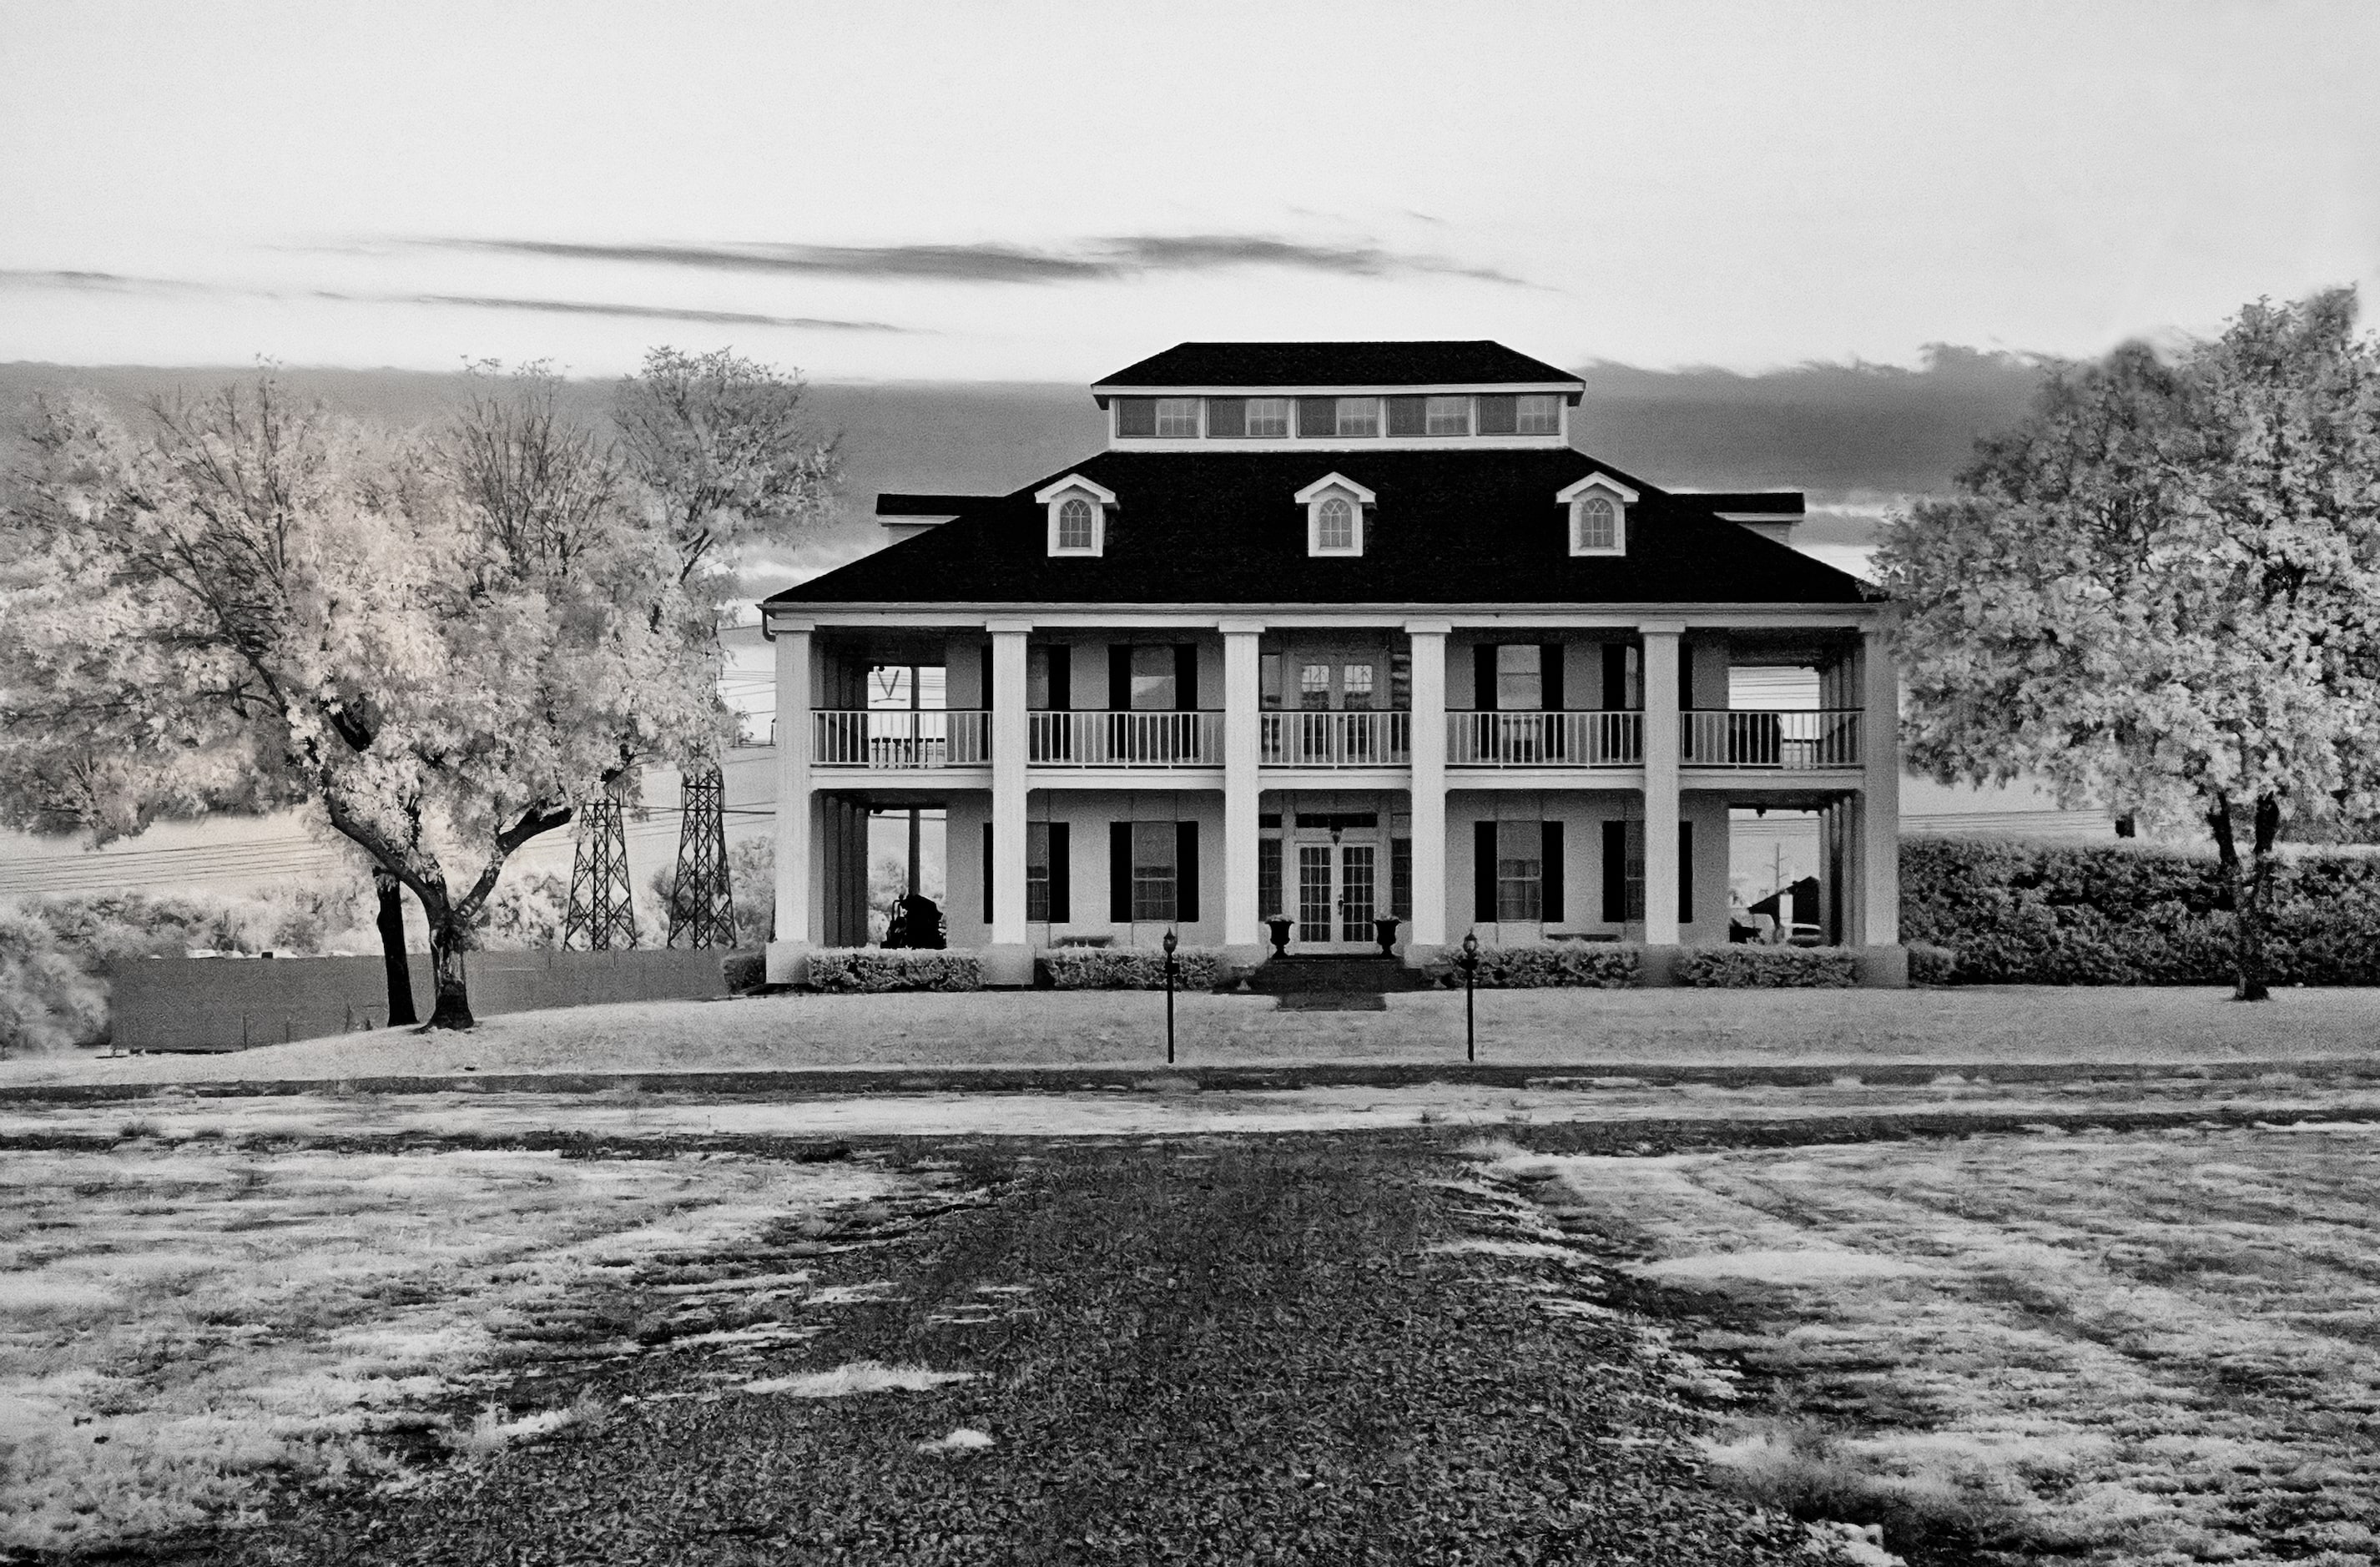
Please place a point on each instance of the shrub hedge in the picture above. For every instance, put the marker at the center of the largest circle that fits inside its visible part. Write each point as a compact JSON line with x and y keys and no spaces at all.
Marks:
{"x":1541,"y":965}
{"x":1131,"y":968}
{"x":895,"y":968}
{"x":1930,"y":965}
{"x":1745,"y":966}
{"x":2017,"y":913}
{"x":744,"y":971}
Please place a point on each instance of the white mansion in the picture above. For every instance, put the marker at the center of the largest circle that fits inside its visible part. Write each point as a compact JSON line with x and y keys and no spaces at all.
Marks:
{"x":1330,"y":632}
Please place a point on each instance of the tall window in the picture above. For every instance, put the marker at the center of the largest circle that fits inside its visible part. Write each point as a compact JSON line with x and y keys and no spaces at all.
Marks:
{"x":1355,"y":686}
{"x":1520,"y":870}
{"x":1598,"y":524}
{"x":1268,"y":680}
{"x":1155,"y":876}
{"x":1450,"y":416}
{"x":1177,"y":416}
{"x":1520,"y":677}
{"x":1359,"y":416}
{"x":1338,"y":524}
{"x":1037,"y":871}
{"x":1268,"y":416}
{"x":1074,"y":525}
{"x":1539,"y":414}
{"x":1313,"y":687}
{"x":1152,"y":677}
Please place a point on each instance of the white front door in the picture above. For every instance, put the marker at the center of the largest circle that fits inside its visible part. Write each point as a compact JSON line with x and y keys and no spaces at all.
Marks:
{"x":1338,"y":888}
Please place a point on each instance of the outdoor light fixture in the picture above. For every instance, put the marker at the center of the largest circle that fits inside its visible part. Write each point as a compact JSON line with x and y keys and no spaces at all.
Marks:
{"x":1172,"y":941}
{"x":1469,"y":963}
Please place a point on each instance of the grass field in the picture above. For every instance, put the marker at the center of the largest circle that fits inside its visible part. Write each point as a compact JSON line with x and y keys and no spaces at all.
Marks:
{"x":2114,"y":1348}
{"x":1960,"y":1027}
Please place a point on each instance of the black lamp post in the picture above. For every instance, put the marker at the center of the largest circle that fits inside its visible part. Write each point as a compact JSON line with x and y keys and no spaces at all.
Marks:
{"x":1171,"y":942}
{"x":1469,"y":963}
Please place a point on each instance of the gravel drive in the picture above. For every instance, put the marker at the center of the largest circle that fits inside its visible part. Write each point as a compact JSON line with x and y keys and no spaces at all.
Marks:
{"x":1314,"y":1348}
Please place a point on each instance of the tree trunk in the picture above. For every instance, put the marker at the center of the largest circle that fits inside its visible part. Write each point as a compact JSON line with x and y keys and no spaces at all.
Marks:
{"x":2256,"y":912}
{"x":449,"y":938}
{"x":2247,"y":913}
{"x":391,"y":923}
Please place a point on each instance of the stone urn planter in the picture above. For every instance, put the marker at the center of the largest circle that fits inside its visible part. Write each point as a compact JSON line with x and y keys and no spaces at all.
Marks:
{"x":1280,"y":925}
{"x":1384,"y":929}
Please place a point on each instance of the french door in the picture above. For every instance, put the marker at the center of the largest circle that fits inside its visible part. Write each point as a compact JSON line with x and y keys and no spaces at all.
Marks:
{"x":1338,"y":895}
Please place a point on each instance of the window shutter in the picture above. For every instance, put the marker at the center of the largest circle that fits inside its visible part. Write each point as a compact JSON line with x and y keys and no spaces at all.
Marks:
{"x":1685,"y":873}
{"x":1120,"y":872}
{"x":1185,"y":675}
{"x":1408,"y":416}
{"x":1186,"y":871}
{"x":1482,"y":872}
{"x":1227,"y":416}
{"x":1497,"y":413}
{"x":1135,"y":416}
{"x":1317,"y":417}
{"x":1483,"y":678}
{"x":987,"y":873}
{"x":1685,"y":675}
{"x":1552,"y":898}
{"x":1615,"y":872}
{"x":1062,"y":876}
{"x":1549,"y":676}
{"x":1615,"y":676}
{"x":1062,"y":676}
{"x":1119,"y":677}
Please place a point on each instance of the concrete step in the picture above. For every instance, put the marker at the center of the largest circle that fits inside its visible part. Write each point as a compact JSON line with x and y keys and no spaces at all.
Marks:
{"x":1333,"y":976}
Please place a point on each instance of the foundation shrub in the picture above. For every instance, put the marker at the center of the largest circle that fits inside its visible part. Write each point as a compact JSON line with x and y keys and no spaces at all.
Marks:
{"x":1930,"y":965}
{"x":844,"y":969}
{"x":744,"y":971}
{"x":1131,"y":968}
{"x":2049,"y":913}
{"x":1741,"y":966}
{"x":1598,"y":965}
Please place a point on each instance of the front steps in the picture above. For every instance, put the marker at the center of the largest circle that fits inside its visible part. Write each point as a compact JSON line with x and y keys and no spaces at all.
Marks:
{"x":1333,"y":983}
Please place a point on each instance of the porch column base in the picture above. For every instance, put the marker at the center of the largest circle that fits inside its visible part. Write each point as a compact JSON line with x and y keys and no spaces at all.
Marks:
{"x":1242,"y":958}
{"x":1657,"y":967}
{"x":1008,"y":966}
{"x":1421,"y":955}
{"x":788,"y":962}
{"x":1882,"y":968}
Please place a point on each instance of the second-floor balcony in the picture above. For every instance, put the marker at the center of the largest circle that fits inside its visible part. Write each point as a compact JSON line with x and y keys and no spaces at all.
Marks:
{"x":899,"y":739}
{"x":1545,"y":739}
{"x":1335,"y":739}
{"x":1120,"y":738}
{"x":1787,"y":740}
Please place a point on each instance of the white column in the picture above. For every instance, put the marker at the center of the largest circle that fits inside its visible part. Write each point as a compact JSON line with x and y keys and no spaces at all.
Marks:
{"x":1661,"y":748}
{"x":1879,"y":814}
{"x":789,"y":950}
{"x":1008,"y":960}
{"x":1242,"y":700}
{"x":1427,"y":937}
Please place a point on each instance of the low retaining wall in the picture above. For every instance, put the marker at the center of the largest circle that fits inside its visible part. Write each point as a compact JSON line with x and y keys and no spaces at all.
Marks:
{"x":230,"y":1003}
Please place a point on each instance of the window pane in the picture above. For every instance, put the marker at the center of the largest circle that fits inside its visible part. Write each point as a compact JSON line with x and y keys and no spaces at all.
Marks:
{"x":1519,"y":869}
{"x":1496,"y":413}
{"x":1359,"y":416}
{"x":1355,"y":686}
{"x":1269,"y":416}
{"x":1135,"y":416}
{"x":1267,"y":878}
{"x":1317,"y":417}
{"x":1338,"y":530}
{"x":1313,"y":687}
{"x":1177,"y":416}
{"x":1152,"y":870}
{"x":1631,"y":869}
{"x":1540,"y":414}
{"x":1074,"y":525}
{"x":1598,"y":525}
{"x":1152,"y":677}
{"x":1036,"y":870}
{"x":1268,"y":680}
{"x":1520,"y":677}
{"x":1450,"y":416}
{"x":1406,"y":416}
{"x":1226,"y":416}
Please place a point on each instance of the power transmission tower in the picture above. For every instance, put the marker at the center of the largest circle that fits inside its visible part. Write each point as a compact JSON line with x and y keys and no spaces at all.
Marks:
{"x":602,"y":906}
{"x":702,"y":906}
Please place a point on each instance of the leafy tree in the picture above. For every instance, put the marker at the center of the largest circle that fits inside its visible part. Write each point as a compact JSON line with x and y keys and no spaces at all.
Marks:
{"x":47,"y":1000}
{"x":254,"y":600}
{"x":2161,"y":591}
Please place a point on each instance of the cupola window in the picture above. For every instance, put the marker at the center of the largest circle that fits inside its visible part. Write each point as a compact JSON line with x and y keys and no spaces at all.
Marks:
{"x":1537,"y":414}
{"x":1177,"y":417}
{"x":1268,"y":418}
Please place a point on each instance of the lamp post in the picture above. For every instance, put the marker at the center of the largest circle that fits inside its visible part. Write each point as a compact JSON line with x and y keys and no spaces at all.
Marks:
{"x":1469,"y":963}
{"x":1171,"y":942}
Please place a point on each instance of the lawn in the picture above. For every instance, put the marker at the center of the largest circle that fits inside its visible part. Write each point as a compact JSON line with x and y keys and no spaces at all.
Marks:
{"x":2119,"y":1348}
{"x":1613,"y":1029}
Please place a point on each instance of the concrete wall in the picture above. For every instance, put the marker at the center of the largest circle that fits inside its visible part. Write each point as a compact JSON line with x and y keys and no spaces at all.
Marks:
{"x":224,"y":1003}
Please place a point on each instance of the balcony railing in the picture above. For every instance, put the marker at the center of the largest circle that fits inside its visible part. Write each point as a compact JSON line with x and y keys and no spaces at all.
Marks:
{"x":899,"y":738}
{"x":1545,"y":739}
{"x":1125,"y":739}
{"x":1801,"y":740}
{"x":1336,"y":739}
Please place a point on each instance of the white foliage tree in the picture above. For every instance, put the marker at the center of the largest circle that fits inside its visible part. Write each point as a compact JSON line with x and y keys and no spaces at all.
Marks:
{"x":250,"y":600}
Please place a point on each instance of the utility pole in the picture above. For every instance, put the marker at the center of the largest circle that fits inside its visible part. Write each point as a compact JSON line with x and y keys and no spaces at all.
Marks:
{"x":602,"y":906}
{"x":702,"y":905}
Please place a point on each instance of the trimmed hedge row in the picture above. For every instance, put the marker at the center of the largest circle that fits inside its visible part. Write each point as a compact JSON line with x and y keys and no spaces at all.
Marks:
{"x":1131,"y":968}
{"x":847,"y":969}
{"x":2039,"y":914}
{"x":1745,"y":966}
{"x":1543,"y":965}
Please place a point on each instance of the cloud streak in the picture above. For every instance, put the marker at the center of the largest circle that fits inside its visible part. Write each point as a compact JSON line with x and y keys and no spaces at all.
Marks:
{"x":1102,"y":259}
{"x":119,"y":283}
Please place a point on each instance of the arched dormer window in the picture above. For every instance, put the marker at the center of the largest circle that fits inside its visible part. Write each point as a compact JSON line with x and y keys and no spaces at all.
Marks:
{"x":1078,"y":515}
{"x":1336,"y":510}
{"x":1597,"y":515}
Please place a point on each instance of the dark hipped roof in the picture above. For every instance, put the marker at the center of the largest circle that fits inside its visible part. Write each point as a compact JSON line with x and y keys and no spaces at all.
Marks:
{"x":1448,"y":526}
{"x":1476,"y":363}
{"x":889,"y":504}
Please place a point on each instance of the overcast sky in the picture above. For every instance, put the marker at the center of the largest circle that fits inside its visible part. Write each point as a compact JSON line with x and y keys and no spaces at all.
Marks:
{"x":1042,"y":192}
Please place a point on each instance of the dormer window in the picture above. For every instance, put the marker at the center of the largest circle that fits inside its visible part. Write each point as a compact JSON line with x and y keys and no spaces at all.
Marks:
{"x":1598,"y":515}
{"x":1334,"y":516}
{"x":1078,"y":515}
